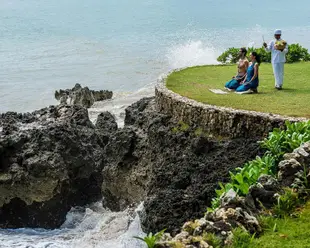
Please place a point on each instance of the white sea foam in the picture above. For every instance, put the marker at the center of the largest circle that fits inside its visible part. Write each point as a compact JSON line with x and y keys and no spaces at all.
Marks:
{"x":190,"y":54}
{"x":93,"y":227}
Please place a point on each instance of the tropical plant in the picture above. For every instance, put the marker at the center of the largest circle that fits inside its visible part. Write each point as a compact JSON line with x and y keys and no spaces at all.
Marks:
{"x":248,"y":175}
{"x":151,"y":239}
{"x":283,"y":141}
{"x":244,"y":177}
{"x":215,"y":203}
{"x":277,"y":143}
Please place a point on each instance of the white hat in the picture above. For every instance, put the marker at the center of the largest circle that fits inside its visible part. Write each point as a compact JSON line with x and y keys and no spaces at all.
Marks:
{"x":277,"y":32}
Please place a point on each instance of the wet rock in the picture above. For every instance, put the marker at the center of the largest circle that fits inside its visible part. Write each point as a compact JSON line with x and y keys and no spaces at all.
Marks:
{"x":82,"y":96}
{"x":125,"y":176}
{"x":50,"y":162}
{"x":106,"y":122}
{"x":140,"y":113}
{"x":174,"y":175}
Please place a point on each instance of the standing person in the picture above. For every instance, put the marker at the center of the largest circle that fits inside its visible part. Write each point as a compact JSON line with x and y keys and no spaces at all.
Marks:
{"x":278,"y":52}
{"x":243,"y":65}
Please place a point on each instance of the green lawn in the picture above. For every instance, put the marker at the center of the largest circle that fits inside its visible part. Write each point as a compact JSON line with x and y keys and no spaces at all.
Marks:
{"x":293,"y":100}
{"x":288,"y":233}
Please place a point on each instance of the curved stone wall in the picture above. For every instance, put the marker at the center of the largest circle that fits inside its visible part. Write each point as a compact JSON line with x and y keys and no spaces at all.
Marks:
{"x":218,"y":121}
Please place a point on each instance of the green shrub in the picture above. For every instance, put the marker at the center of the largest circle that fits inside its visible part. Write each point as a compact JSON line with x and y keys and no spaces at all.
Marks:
{"x":241,"y":239}
{"x":152,"y":240}
{"x":264,"y":55}
{"x":229,"y":56}
{"x":285,"y":141}
{"x":215,"y":203}
{"x":277,"y":143}
{"x":295,"y":53}
{"x":244,"y":177}
{"x":248,"y":175}
{"x":286,"y":203}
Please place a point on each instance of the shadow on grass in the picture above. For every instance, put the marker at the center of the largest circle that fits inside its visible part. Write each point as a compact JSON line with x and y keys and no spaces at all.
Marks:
{"x":288,"y":90}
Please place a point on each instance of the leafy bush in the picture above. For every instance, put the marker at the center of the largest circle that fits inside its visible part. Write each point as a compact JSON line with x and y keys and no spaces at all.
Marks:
{"x":264,"y":55}
{"x":215,"y":203}
{"x":152,"y":240}
{"x":277,"y":143}
{"x":248,"y":175}
{"x":295,"y":53}
{"x":286,"y":203}
{"x":284,"y":141}
{"x":244,"y":177}
{"x":229,"y":56}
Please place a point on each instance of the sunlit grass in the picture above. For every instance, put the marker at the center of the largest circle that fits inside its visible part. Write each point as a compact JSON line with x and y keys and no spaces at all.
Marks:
{"x":287,"y":232}
{"x":293,"y":100}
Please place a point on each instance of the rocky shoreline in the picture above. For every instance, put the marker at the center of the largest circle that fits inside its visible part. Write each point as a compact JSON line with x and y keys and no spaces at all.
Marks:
{"x":55,"y":158}
{"x":82,"y":96}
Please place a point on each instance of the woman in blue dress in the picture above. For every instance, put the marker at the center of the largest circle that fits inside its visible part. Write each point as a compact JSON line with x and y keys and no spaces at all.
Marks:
{"x":250,"y":83}
{"x":243,"y":65}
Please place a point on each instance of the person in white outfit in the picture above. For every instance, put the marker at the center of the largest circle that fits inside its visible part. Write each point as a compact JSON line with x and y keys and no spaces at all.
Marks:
{"x":277,"y":58}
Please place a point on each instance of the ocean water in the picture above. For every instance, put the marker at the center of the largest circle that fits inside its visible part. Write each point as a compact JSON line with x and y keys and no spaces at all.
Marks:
{"x":123,"y":46}
{"x":89,"y":227}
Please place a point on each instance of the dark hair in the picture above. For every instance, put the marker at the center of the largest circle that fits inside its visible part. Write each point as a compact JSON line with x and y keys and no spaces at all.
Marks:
{"x":243,"y":49}
{"x":257,"y":57}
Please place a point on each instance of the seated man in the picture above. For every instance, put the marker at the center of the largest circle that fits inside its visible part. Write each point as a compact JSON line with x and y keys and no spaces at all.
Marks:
{"x":242,"y":69}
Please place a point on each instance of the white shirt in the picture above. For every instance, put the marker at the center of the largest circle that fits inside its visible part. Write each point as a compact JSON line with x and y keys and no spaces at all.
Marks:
{"x":276,"y":55}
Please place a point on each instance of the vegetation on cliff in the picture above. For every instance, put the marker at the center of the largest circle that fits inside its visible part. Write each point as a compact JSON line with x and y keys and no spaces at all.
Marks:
{"x":196,"y":82}
{"x":264,"y":199}
{"x":277,"y":144}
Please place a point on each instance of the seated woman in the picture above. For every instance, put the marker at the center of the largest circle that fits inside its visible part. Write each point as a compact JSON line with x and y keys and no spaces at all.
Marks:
{"x":242,"y":68}
{"x":250,"y":83}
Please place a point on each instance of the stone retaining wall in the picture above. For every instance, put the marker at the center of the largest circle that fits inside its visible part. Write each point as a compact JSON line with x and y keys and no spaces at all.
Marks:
{"x":226,"y":122}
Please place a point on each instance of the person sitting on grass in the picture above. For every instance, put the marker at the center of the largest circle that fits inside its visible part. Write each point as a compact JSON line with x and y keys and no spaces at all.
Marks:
{"x":251,"y":81}
{"x":242,"y":68}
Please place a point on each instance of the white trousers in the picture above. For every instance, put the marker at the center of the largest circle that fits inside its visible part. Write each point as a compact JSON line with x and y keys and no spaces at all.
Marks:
{"x":278,"y":72}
